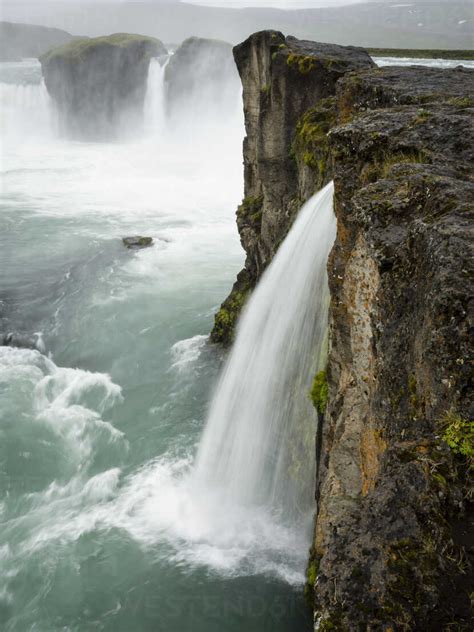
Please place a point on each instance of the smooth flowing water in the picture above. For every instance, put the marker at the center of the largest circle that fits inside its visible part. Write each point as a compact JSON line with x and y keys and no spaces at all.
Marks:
{"x":258,"y":446}
{"x":104,"y":524}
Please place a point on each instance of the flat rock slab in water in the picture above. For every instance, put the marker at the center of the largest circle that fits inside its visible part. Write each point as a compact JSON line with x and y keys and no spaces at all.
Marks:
{"x":137,"y":242}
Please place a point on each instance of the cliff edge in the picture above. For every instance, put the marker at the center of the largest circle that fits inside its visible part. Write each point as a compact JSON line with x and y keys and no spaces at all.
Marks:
{"x":282,"y":78}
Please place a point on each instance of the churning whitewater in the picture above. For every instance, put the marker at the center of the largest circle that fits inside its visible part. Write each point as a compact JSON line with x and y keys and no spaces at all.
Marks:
{"x":106,"y":510}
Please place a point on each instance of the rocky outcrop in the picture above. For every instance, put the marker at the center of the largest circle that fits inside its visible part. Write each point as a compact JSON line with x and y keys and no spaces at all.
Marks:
{"x":390,"y":549}
{"x":19,"y":41}
{"x":99,"y":84}
{"x":201,"y":72}
{"x":392,"y":545}
{"x":137,"y":242}
{"x":288,"y":91}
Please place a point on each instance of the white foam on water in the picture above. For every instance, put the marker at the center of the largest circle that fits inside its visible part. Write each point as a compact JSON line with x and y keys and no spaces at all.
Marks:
{"x":183,"y":512}
{"x":186,"y":352}
{"x":69,"y":401}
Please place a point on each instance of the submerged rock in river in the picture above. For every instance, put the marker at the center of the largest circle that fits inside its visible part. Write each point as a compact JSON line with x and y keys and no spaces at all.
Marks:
{"x":137,"y":242}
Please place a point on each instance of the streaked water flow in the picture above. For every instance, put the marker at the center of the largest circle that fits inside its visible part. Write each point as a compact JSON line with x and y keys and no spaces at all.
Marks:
{"x":259,"y":441}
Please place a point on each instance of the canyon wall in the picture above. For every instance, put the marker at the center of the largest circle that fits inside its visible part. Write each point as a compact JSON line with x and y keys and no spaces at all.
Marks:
{"x":99,"y":85}
{"x":285,"y":158}
{"x":392,"y":546}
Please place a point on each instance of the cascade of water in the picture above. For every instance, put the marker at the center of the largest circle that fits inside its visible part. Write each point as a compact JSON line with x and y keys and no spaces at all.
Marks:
{"x":258,"y":445}
{"x":154,"y":112}
{"x":26,"y":110}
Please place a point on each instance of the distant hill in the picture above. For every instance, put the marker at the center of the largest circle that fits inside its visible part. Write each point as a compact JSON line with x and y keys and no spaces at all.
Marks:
{"x":425,"y":24}
{"x":26,"y":40}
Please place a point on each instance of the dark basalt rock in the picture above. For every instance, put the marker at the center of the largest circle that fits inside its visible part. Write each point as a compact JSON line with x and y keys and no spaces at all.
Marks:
{"x":282,"y":79}
{"x":391,"y":548}
{"x":393,"y":497}
{"x":394,"y":86}
{"x":137,"y":242}
{"x":99,"y":84}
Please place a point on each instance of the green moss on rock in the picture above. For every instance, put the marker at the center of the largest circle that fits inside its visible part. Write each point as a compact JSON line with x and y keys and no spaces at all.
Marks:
{"x":319,"y":392}
{"x":79,"y":48}
{"x":458,"y":434}
{"x":312,"y":571}
{"x":311,"y":146}
{"x":250,"y":212}
{"x":303,"y":63}
{"x":225,"y":320}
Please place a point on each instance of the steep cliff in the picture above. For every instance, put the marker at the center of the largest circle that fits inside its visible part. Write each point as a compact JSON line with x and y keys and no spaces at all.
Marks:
{"x":282,"y":79}
{"x":390,"y":549}
{"x":99,"y":84}
{"x":393,"y":547}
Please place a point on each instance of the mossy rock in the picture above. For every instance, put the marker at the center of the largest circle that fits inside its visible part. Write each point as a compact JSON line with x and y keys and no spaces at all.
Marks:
{"x":79,"y":49}
{"x":136,"y":242}
{"x":319,"y":392}
{"x":225,"y":321}
{"x":311,"y":145}
{"x":249,"y":213}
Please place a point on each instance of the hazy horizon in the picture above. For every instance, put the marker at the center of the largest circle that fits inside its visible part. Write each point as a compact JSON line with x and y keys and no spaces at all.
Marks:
{"x":371,"y":23}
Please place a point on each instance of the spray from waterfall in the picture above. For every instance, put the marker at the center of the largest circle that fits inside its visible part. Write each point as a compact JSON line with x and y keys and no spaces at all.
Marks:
{"x":246,"y":506}
{"x":258,"y":445}
{"x":25,"y":111}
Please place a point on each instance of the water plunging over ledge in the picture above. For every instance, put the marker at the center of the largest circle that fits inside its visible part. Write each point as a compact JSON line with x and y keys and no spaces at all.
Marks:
{"x":258,"y":444}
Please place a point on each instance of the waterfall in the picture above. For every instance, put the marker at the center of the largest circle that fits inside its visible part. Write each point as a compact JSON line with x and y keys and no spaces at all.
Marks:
{"x":259,"y":442}
{"x":26,"y":110}
{"x":154,"y":112}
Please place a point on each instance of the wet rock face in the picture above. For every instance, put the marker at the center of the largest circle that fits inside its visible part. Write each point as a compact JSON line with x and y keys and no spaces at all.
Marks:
{"x":392,"y":494}
{"x":282,"y":78}
{"x":99,"y":85}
